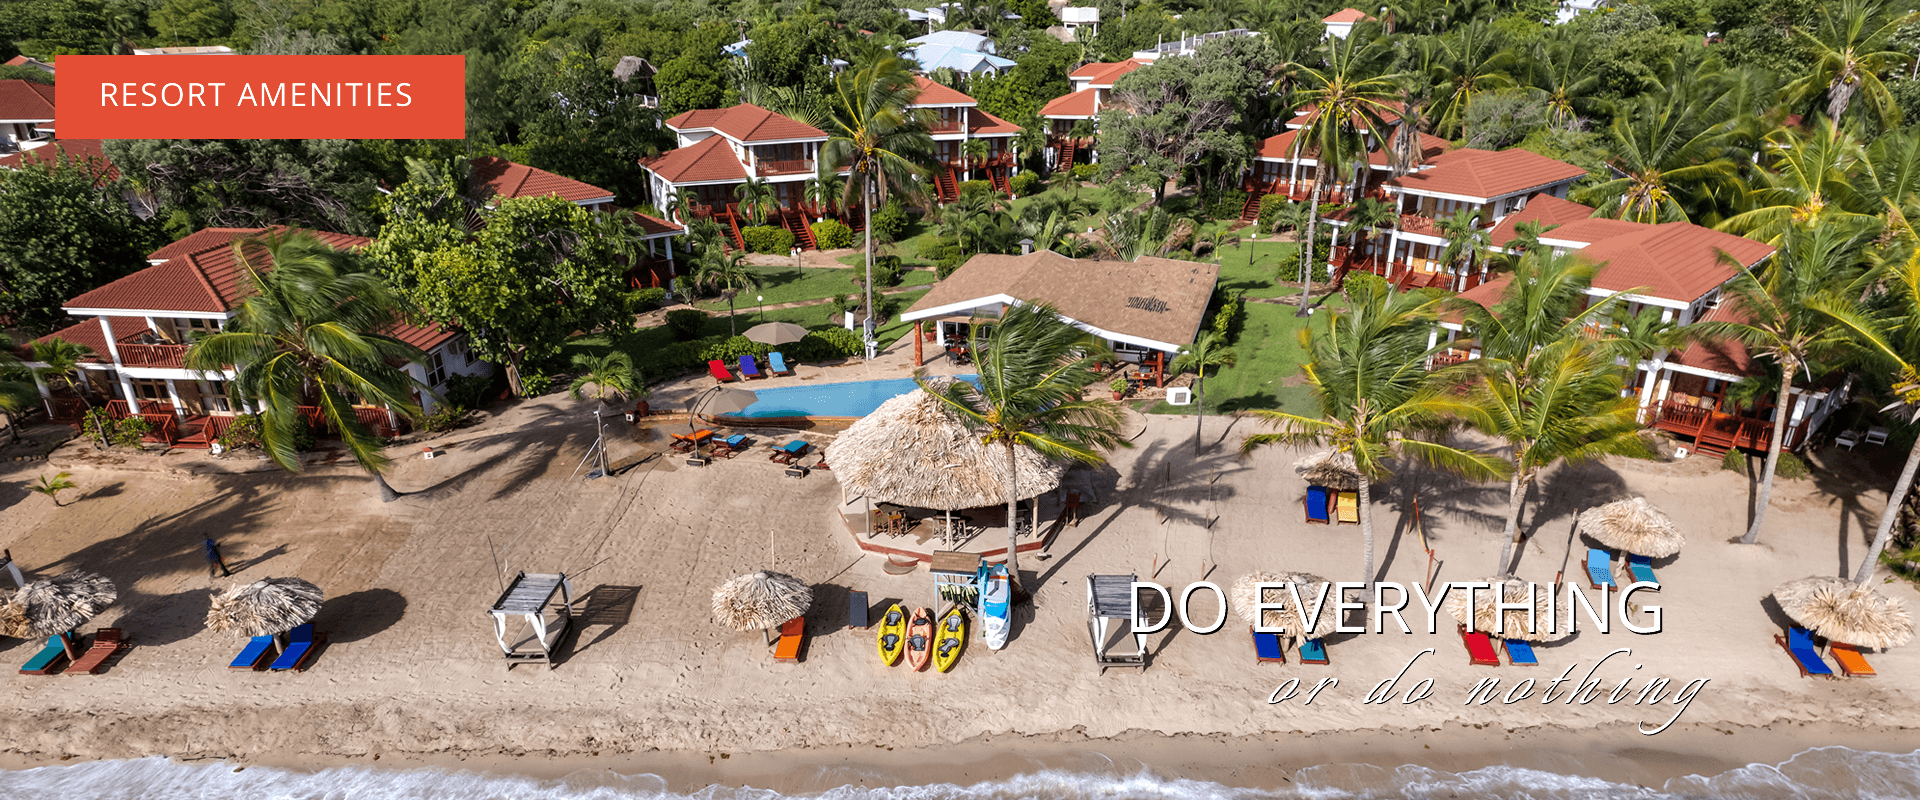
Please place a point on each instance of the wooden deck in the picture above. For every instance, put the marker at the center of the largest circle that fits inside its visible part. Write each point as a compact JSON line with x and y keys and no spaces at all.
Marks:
{"x":1714,"y":432}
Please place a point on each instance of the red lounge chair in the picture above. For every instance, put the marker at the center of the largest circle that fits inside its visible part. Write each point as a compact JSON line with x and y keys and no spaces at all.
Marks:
{"x":787,"y":650}
{"x":1480,"y":652}
{"x":719,"y":371}
{"x":106,"y":642}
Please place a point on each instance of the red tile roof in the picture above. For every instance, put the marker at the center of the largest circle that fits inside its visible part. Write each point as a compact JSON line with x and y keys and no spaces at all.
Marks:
{"x":201,"y":240}
{"x":424,"y":337}
{"x":25,"y":101}
{"x":1346,"y":15}
{"x":985,"y":124}
{"x":88,"y":333}
{"x":652,"y":225}
{"x":1545,"y":209}
{"x":1593,"y":230}
{"x":1485,"y":295}
{"x":747,"y":123}
{"x":1078,"y":104}
{"x":1677,"y":261}
{"x":1728,"y":357}
{"x":18,"y":61}
{"x":86,"y":151}
{"x":934,"y":94}
{"x":1103,"y":74}
{"x":508,"y":180}
{"x":205,"y":280}
{"x":1280,"y":147}
{"x":1487,"y":174}
{"x":710,"y":159}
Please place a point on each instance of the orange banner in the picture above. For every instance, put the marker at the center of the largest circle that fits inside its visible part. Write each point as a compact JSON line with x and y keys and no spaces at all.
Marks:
{"x":261,"y":97}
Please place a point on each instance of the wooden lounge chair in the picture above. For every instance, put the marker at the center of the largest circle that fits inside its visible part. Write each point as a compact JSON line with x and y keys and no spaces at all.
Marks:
{"x":857,"y":609}
{"x":1480,"y":652}
{"x":1519,"y":653}
{"x":1346,"y":507}
{"x":106,"y":642}
{"x":777,"y":364}
{"x":1600,"y":569}
{"x":730,"y":446}
{"x":1641,"y":568}
{"x":789,"y":452}
{"x":1313,"y":651}
{"x":300,"y":644}
{"x":719,"y":371}
{"x":1317,"y":506}
{"x":787,"y":650}
{"x":1268,"y":647}
{"x":1853,"y":663}
{"x":49,"y":657}
{"x":1799,"y":647}
{"x":257,"y":648}
{"x":750,"y":368}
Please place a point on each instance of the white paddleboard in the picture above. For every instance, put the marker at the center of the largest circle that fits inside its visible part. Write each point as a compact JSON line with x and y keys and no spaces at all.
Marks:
{"x":995,"y":607}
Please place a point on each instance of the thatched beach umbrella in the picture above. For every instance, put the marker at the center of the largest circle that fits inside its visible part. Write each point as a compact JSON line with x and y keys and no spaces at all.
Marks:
{"x":913,"y":451}
{"x":1634,"y":526}
{"x":1330,"y":468}
{"x":1844,"y":611}
{"x":761,"y":600}
{"x":1512,"y":590}
{"x":56,"y":605}
{"x":265,"y":607}
{"x":1243,"y":599}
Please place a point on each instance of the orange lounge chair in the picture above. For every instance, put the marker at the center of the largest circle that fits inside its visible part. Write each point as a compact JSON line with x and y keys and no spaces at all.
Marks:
{"x":106,"y":642}
{"x":719,"y":371}
{"x":1852,"y":663}
{"x":787,"y":650}
{"x":1480,"y":652}
{"x":683,"y":442}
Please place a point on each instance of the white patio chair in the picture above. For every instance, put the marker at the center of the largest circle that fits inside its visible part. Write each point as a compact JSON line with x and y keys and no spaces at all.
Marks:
{"x":1876,"y":435}
{"x":1847,"y":439}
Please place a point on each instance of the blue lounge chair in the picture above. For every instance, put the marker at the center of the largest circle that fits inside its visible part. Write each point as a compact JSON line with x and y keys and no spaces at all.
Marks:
{"x":749,"y":368}
{"x":777,"y":364}
{"x":44,"y":662}
{"x":1600,"y":568}
{"x":256,"y":648}
{"x":1805,"y":655}
{"x":1642,"y":569}
{"x":1268,"y":647}
{"x":1312,"y":651}
{"x":299,"y":645}
{"x":789,"y":452}
{"x":1520,"y":654}
{"x":1319,"y":505}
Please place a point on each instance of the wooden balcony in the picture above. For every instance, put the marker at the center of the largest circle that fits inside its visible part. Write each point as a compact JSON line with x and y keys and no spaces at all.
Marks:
{"x":945,"y":126}
{"x":1714,"y":432}
{"x":163,"y":356}
{"x":802,"y":166}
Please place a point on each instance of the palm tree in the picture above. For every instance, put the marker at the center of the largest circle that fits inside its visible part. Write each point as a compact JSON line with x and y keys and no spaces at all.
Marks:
{"x":874,"y":137}
{"x":16,"y":395}
{"x":1368,"y":216}
{"x":677,"y":206}
{"x":62,"y":359}
{"x":976,"y":151}
{"x":1809,"y":177}
{"x":1562,"y":67}
{"x":1464,"y":236}
{"x":1032,"y":137}
{"x":1668,"y":150}
{"x":824,"y":191}
{"x":1784,"y":323}
{"x":54,"y":486}
{"x":1526,"y":236}
{"x":1475,"y":59}
{"x":715,"y":271}
{"x":1369,"y":376}
{"x":1209,"y":349}
{"x":755,"y":199}
{"x":1850,"y":53}
{"x":1346,"y":102}
{"x":1034,"y":369}
{"x":312,"y":327}
{"x":611,"y":374}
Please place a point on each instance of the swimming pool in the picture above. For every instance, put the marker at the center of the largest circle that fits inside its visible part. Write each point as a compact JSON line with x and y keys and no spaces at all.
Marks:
{"x":856,"y":399}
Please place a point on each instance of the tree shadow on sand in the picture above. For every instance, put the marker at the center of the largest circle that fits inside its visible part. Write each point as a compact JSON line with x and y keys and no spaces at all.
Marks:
{"x":360,"y":615}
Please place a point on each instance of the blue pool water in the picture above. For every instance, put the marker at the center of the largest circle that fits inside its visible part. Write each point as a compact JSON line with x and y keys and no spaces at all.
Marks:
{"x":856,"y":399}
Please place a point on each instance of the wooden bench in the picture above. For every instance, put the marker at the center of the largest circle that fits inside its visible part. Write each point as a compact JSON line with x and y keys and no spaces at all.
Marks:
{"x":857,"y":609}
{"x":106,"y":642}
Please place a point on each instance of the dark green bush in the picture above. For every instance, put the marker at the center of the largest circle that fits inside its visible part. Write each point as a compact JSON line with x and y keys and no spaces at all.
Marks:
{"x":677,"y":358}
{"x":824,"y":344}
{"x":1228,"y":204}
{"x":1227,"y":320}
{"x":445,"y":418}
{"x":1270,"y":206}
{"x":125,"y":432}
{"x":1025,"y":184}
{"x":534,"y":383}
{"x":1084,"y":172}
{"x":890,"y":220}
{"x":641,"y":301}
{"x":935,"y":248}
{"x":243,"y":433}
{"x":730,"y":349}
{"x":767,"y":239}
{"x":472,"y":391}
{"x":830,"y":234}
{"x":686,"y":323}
{"x":983,"y":187}
{"x":949,"y":262}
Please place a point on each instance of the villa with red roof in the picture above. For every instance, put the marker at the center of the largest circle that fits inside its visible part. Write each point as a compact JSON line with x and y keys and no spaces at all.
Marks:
{"x":506,"y":180}
{"x":719,"y":149}
{"x":1340,"y":23}
{"x":956,"y":120}
{"x":139,"y":328}
{"x":1284,"y":165}
{"x":26,"y":114}
{"x":1092,"y":87}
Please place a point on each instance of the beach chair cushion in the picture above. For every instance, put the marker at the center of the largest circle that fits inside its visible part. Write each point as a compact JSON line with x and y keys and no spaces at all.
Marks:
{"x":787,"y":650}
{"x":1805,"y":655}
{"x":106,"y":642}
{"x":856,"y":608}
{"x":299,"y":643}
{"x":250,"y":656}
{"x":1268,"y":647}
{"x":749,"y":368}
{"x":1346,"y":507}
{"x":1519,"y":653}
{"x":1600,"y":568}
{"x":46,"y":658}
{"x":719,"y":371}
{"x":1313,"y":651}
{"x":1480,"y":650}
{"x":735,"y":441}
{"x":1641,"y":568}
{"x":787,"y":453}
{"x":1853,"y":663}
{"x":777,"y":363}
{"x":1316,"y":505}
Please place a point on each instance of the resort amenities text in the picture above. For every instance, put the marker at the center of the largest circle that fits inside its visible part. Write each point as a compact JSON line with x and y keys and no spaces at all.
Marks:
{"x":333,"y":94}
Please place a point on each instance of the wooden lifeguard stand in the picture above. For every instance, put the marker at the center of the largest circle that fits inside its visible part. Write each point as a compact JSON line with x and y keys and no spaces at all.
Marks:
{"x":956,"y":569}
{"x":1110,"y":597}
{"x":546,"y":602}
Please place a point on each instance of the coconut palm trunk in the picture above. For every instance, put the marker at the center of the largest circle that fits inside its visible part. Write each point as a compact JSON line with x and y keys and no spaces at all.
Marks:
{"x":1366,"y":534}
{"x":1013,"y":522}
{"x":866,"y":213}
{"x":1888,"y":516}
{"x":1788,"y":366}
{"x":1199,"y":409}
{"x":1307,"y":250}
{"x":1516,"y":496}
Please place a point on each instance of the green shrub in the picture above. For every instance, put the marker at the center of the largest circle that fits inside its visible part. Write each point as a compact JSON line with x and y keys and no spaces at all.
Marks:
{"x":125,"y":432}
{"x":767,"y":239}
{"x":677,"y":358}
{"x":824,"y":344}
{"x":1227,"y":320}
{"x":686,"y":323}
{"x":1025,"y":184}
{"x":471,"y":391}
{"x":641,"y":301}
{"x":243,"y":433}
{"x":831,"y":234}
{"x":534,"y":383}
{"x":731,"y":348}
{"x":984,"y":187}
{"x":1270,"y":206}
{"x":949,"y":262}
{"x":1228,"y":204}
{"x":1084,"y":172}
{"x":445,"y":418}
{"x":1734,"y":461}
{"x":890,"y":220}
{"x":886,"y":271}
{"x":934,"y":248}
{"x":1792,"y":467}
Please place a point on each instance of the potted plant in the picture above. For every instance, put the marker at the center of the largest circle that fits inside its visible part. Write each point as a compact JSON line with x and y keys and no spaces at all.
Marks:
{"x":1119,"y":387}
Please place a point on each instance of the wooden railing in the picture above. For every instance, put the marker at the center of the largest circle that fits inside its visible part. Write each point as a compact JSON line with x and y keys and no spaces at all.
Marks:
{"x":800,"y":166}
{"x":166,"y":356}
{"x":945,"y":126}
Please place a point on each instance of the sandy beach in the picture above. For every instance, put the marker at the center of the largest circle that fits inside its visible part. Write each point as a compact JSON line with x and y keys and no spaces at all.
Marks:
{"x":412,"y":676}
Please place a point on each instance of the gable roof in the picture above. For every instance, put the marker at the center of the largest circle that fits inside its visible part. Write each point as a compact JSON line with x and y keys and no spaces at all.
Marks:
{"x":1486,"y":174}
{"x":710,"y":159}
{"x":1677,"y":260}
{"x":963,"y":39}
{"x":1545,"y":209}
{"x":653,"y":226}
{"x":1347,"y":15}
{"x":1725,"y":356}
{"x":205,"y":279}
{"x":985,"y":124}
{"x":25,"y":101}
{"x":508,"y":180}
{"x":1155,"y":299}
{"x":1280,"y":147}
{"x":1078,"y":104}
{"x":745,"y":122}
{"x":958,"y":59}
{"x":85,"y":151}
{"x":1103,"y":74}
{"x":934,"y":94}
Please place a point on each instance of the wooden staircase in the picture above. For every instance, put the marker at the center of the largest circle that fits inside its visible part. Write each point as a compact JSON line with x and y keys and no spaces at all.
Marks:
{"x":1066,"y":153}
{"x":1000,"y":182}
{"x":1250,"y":212}
{"x":734,"y":239}
{"x":796,"y":224}
{"x":947,"y":189}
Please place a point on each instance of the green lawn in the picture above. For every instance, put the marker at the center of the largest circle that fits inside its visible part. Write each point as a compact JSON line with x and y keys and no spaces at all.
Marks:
{"x":811,"y":317}
{"x":908,"y":248}
{"x":1266,"y":371}
{"x":787,"y":284}
{"x":1251,"y":266}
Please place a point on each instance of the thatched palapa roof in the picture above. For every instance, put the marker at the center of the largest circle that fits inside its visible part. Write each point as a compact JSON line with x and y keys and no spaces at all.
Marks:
{"x":1333,"y":469}
{"x":761,"y":600}
{"x":914,"y":451}
{"x":1634,"y":526}
{"x":1290,"y":618}
{"x":273,"y":605}
{"x":55,"y":605}
{"x":1844,"y":611}
{"x":1519,"y":624}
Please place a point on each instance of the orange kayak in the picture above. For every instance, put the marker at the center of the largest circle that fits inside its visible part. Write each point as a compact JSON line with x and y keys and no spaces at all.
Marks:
{"x":920,"y":639}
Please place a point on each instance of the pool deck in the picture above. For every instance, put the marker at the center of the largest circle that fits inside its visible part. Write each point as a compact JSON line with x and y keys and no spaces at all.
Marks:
{"x":895,"y":361}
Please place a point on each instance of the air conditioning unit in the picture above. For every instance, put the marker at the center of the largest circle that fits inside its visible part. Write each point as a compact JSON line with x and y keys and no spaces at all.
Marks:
{"x":1179,"y":396}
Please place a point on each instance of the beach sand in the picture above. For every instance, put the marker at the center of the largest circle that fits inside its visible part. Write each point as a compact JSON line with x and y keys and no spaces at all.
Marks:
{"x":412,"y":674}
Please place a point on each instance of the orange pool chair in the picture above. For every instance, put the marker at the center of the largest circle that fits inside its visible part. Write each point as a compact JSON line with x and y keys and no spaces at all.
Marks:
{"x":787,"y":650}
{"x":1853,"y":663}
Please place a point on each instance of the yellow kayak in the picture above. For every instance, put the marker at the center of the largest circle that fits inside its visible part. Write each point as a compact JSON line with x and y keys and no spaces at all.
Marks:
{"x":892,"y":640}
{"x":951,"y":639}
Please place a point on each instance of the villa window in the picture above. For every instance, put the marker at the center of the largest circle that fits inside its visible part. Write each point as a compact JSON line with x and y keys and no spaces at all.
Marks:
{"x":437,"y":373}
{"x":215,"y":397}
{"x":150,"y":389}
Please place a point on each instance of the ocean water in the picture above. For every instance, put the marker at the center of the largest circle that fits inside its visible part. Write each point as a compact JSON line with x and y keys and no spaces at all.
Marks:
{"x":1827,"y":772}
{"x":855,"y":399}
